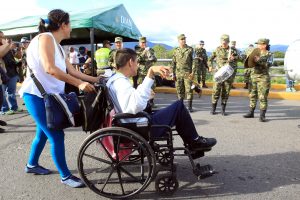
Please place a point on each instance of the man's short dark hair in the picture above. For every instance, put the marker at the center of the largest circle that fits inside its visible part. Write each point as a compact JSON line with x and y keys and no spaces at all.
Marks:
{"x":123,"y":56}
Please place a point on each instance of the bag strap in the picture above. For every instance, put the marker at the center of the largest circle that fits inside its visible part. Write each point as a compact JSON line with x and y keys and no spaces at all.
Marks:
{"x":37,"y":83}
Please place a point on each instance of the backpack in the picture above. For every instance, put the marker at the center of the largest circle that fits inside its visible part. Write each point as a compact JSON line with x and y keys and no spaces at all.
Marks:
{"x":95,"y":108}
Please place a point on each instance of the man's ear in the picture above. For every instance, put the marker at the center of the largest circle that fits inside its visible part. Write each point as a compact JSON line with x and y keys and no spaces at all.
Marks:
{"x":130,"y":62}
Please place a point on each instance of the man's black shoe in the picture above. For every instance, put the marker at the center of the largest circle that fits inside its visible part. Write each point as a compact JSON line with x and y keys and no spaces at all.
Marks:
{"x":202,"y":143}
{"x":2,"y":130}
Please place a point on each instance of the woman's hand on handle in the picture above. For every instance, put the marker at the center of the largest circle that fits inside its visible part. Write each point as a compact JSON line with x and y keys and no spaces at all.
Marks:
{"x":86,"y":87}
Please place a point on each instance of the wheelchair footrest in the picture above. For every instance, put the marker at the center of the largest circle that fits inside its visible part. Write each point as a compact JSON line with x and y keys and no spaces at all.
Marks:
{"x":203,"y":171}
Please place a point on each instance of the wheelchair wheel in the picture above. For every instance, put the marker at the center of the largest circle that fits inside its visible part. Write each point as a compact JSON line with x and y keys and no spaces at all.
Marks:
{"x":164,"y":157}
{"x":104,"y":164}
{"x":166,"y":184}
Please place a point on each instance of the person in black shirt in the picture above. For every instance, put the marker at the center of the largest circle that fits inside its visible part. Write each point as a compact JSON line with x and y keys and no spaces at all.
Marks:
{"x":10,"y":106}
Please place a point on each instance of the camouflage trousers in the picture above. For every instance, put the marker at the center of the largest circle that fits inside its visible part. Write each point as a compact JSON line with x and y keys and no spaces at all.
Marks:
{"x":247,"y":73}
{"x":260,"y":90}
{"x":201,"y":73}
{"x":233,"y":75}
{"x":222,"y":89}
{"x":183,"y":87}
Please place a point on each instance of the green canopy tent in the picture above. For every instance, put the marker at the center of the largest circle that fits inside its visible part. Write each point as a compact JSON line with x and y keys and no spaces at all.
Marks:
{"x":89,"y":26}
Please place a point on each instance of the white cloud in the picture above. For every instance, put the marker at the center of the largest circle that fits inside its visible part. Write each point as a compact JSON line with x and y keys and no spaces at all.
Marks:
{"x":244,"y":21}
{"x":162,"y":20}
{"x":15,"y":9}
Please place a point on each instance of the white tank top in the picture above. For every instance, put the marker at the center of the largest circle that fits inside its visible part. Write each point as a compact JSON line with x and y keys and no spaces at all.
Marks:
{"x":49,"y":82}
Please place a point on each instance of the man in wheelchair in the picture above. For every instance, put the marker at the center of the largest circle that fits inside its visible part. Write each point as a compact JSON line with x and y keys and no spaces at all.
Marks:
{"x":127,"y":99}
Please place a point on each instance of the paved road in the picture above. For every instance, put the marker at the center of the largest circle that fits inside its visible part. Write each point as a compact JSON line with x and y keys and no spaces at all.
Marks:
{"x":254,"y":160}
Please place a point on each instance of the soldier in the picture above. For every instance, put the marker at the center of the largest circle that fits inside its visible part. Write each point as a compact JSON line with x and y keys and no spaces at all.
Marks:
{"x":233,"y":46}
{"x":101,"y":57}
{"x":223,"y":55}
{"x":183,"y":70}
{"x":146,"y":58}
{"x":112,"y":54}
{"x":247,"y":71}
{"x":200,"y":63}
{"x":260,"y":80}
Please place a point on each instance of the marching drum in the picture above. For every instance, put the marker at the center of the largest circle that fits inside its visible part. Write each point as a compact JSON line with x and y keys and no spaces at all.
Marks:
{"x":292,"y":61}
{"x":223,"y":73}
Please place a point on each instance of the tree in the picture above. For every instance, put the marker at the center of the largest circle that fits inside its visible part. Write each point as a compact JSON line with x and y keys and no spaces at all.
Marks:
{"x":160,"y":51}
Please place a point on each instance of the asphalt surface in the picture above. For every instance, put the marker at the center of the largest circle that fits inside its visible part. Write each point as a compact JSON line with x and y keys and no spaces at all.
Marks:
{"x":254,"y":160}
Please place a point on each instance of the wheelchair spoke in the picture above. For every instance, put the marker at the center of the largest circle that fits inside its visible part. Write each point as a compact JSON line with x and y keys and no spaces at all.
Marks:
{"x":98,"y":159}
{"x":116,"y":147}
{"x":129,"y":174}
{"x":107,"y":153}
{"x":120,"y":180}
{"x":97,"y":171}
{"x":104,"y":184}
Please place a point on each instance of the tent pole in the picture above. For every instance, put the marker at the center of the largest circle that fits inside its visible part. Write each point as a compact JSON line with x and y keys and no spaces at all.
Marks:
{"x":92,"y":39}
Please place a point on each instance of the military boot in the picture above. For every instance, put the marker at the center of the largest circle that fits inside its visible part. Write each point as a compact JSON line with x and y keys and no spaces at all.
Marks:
{"x":246,"y":86}
{"x":250,"y":114}
{"x":223,"y":109}
{"x":213,"y":108}
{"x":262,"y":117}
{"x":190,"y":107}
{"x":204,"y":85}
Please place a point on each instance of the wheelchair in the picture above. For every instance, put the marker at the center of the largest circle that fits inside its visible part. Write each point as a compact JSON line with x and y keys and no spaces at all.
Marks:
{"x":121,"y":160}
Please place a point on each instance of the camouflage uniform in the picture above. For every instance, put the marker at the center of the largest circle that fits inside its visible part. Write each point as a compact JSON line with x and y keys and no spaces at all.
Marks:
{"x":200,"y":65}
{"x":182,"y":63}
{"x":112,"y":54}
{"x":233,"y":48}
{"x":146,"y":58}
{"x":221,"y":55}
{"x":261,"y":83}
{"x":111,"y":58}
{"x":247,"y":71}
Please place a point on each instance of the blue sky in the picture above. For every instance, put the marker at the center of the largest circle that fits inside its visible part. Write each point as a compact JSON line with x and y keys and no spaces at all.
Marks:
{"x":162,"y":20}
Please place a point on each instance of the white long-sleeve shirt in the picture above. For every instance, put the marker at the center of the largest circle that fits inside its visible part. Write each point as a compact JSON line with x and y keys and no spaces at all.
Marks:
{"x":125,"y":97}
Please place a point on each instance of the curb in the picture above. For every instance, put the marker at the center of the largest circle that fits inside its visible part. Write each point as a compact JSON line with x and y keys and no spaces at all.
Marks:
{"x":239,"y":92}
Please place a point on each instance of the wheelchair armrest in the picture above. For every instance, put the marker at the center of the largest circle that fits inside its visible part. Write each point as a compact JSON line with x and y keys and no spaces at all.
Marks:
{"x":128,"y":115}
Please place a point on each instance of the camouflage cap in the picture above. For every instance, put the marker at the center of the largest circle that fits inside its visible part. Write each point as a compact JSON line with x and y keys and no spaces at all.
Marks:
{"x":201,"y":42}
{"x":142,"y":39}
{"x":263,"y":41}
{"x":181,"y":36}
{"x":118,"y":39}
{"x":233,"y":42}
{"x":225,"y":37}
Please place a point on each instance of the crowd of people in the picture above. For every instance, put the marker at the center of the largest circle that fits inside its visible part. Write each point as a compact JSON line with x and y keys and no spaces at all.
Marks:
{"x":12,"y":70}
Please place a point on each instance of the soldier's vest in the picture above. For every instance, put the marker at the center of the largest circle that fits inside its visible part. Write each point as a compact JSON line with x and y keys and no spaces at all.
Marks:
{"x":101,"y":57}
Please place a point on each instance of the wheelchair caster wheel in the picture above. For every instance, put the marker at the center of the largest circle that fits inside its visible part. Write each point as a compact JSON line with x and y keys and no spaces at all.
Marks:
{"x":164,"y":157}
{"x":204,"y":171}
{"x":166,"y":184}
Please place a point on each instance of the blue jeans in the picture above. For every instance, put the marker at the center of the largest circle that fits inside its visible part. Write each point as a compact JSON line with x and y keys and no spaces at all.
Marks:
{"x":36,"y":108}
{"x":9,"y":91}
{"x":175,"y":115}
